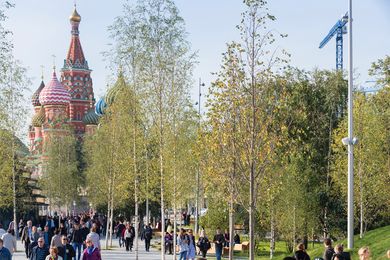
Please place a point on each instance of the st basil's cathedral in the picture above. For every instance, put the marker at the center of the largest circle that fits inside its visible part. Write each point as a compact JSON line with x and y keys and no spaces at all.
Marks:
{"x":63,"y":105}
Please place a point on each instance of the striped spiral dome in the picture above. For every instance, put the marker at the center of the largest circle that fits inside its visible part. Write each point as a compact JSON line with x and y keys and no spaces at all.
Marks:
{"x":100,"y":107}
{"x":54,"y":93}
{"x":35,"y":97}
{"x":91,"y":118}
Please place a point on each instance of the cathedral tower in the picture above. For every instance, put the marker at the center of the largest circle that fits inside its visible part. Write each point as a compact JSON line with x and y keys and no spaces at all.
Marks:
{"x":75,"y":77}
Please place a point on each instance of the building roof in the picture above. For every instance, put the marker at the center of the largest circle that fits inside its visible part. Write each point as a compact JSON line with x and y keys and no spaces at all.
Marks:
{"x":54,"y":93}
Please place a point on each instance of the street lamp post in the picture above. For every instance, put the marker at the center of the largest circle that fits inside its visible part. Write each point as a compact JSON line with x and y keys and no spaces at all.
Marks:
{"x":198,"y":171}
{"x":350,"y":133}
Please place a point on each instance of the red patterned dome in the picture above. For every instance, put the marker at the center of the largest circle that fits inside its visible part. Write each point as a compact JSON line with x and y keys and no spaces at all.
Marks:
{"x":54,"y":93}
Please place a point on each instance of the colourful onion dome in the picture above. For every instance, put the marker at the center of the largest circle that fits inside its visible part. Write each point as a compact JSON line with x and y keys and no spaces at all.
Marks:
{"x":113,"y":92}
{"x":91,"y":118}
{"x":54,"y":93}
{"x":35,"y":96}
{"x":100,"y":107}
{"x":75,"y":17}
{"x":39,"y":118}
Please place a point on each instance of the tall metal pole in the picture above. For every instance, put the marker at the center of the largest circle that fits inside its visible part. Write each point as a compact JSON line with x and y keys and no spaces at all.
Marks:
{"x":350,"y":133}
{"x":198,"y":171}
{"x":13,"y":154}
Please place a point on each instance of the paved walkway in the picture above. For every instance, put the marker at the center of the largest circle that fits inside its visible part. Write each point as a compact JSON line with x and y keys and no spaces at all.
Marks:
{"x":114,"y":254}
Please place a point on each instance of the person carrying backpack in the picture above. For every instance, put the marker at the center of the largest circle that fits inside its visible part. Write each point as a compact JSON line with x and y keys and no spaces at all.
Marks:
{"x":203,"y":243}
{"x":147,"y":235}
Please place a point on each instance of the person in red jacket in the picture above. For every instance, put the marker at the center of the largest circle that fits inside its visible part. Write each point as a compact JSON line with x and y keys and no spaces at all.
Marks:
{"x":91,"y":252}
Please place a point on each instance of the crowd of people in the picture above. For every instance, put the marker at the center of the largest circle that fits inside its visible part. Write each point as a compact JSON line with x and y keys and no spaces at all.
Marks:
{"x":58,"y":238}
{"x":68,"y":238}
{"x":331,"y":253}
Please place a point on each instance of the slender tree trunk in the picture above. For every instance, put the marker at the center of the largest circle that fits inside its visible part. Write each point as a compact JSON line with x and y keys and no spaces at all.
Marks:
{"x":111,"y":216}
{"x":272,"y":241}
{"x":361,"y":201}
{"x":135,"y":189}
{"x":108,"y":214}
{"x":162,"y":176}
{"x":231,"y":225}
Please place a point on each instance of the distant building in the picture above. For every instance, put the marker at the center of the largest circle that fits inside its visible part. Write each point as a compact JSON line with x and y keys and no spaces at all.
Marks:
{"x":63,"y":106}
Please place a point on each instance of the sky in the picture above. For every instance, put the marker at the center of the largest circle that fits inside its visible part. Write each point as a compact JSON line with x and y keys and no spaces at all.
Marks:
{"x":41,"y":29}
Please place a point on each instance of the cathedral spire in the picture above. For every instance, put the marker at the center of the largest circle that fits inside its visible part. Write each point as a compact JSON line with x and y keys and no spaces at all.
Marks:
{"x":75,"y":58}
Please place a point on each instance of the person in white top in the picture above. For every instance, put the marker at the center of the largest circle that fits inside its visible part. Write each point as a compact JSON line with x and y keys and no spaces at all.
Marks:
{"x":94,"y":237}
{"x":9,"y":241}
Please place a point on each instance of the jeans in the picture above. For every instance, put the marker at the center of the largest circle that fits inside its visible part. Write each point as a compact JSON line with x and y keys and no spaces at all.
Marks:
{"x":218,"y":253}
{"x":78,"y":246}
{"x":183,"y":255}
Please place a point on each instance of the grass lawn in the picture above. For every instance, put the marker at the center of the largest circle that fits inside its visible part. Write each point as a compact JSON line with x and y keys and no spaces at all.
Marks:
{"x":377,"y":240}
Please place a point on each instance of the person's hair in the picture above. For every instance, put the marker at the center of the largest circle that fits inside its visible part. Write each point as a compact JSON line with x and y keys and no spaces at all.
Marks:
{"x":55,"y":249}
{"x":300,"y":246}
{"x":328,"y":241}
{"x":289,"y":258}
{"x":63,"y":236}
{"x":93,"y":229}
{"x":339,"y":248}
{"x":57,"y":231}
{"x":364,"y":250}
{"x":1,"y":225}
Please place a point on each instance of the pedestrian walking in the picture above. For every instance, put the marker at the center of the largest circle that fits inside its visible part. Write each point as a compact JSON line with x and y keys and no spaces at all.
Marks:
{"x":301,"y":254}
{"x":129,"y":237}
{"x":147,"y":235}
{"x":203,"y":243}
{"x":339,"y":253}
{"x":219,"y":240}
{"x":191,"y":245}
{"x":182,"y":244}
{"x":94,"y":236}
{"x":119,"y":233}
{"x":329,"y":251}
{"x":4,"y":252}
{"x":56,"y":239}
{"x":26,"y":237}
{"x":40,"y":251}
{"x":91,"y":252}
{"x":47,"y":236}
{"x":364,"y":253}
{"x":76,"y":238}
{"x":66,"y":251}
{"x":168,"y":240}
{"x":53,"y":254}
{"x":9,"y":241}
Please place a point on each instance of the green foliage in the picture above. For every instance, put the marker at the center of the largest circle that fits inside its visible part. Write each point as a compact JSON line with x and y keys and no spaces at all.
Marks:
{"x":381,"y":70}
{"x":61,"y":181}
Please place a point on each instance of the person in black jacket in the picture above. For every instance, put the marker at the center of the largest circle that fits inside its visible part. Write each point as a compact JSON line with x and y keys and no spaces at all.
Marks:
{"x":147,"y":235}
{"x":219,"y":241}
{"x":301,"y":254}
{"x":66,"y":251}
{"x":40,"y":251}
{"x":77,"y":239}
{"x":329,"y":251}
{"x":340,"y":254}
{"x":84,"y":233}
{"x":203,"y":243}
